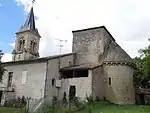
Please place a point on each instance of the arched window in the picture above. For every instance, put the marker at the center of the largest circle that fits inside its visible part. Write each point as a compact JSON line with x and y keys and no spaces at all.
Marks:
{"x":20,"y":45}
{"x":10,"y":75}
{"x":33,"y":46}
{"x":23,"y":44}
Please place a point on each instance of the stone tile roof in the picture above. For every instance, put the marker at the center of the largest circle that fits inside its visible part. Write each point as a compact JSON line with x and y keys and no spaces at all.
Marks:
{"x":95,"y":28}
{"x":29,"y":23}
{"x":116,"y":53}
{"x":43,"y":59}
{"x":81,"y":67}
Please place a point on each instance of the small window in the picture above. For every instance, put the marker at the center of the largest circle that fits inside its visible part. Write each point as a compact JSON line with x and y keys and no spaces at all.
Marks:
{"x":18,"y":56}
{"x":10,"y":75}
{"x":34,"y":47}
{"x":24,"y":77}
{"x":23,"y":44}
{"x":31,"y":45}
{"x":53,"y":82}
{"x":70,"y":63}
{"x":109,"y":80}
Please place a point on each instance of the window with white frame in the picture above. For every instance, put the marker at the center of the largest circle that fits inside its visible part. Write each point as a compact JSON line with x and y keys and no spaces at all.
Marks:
{"x":10,"y":75}
{"x":24,"y":76}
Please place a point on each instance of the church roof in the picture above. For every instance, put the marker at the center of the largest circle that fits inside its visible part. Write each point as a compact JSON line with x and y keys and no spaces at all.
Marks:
{"x":116,"y":53}
{"x":81,"y":67}
{"x":29,"y":23}
{"x":87,"y":29}
{"x":36,"y":60}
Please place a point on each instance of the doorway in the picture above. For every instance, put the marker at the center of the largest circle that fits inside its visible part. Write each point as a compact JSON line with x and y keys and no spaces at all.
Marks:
{"x":1,"y":93}
{"x":72,"y":92}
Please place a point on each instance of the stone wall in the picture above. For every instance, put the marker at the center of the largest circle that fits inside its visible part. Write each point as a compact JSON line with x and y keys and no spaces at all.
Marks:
{"x":35,"y":79}
{"x":53,"y":73}
{"x":83,"y":86}
{"x":10,"y":96}
{"x":28,"y":36}
{"x":121,"y":90}
{"x":97,"y":83}
{"x":88,"y":44}
{"x":96,"y":45}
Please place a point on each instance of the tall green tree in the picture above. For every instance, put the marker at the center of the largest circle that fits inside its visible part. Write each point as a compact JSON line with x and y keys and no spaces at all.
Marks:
{"x":1,"y":66}
{"x":138,"y":73}
{"x":142,"y":72}
{"x":145,"y":56}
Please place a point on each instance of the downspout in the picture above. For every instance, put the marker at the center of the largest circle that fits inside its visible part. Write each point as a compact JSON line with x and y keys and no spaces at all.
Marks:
{"x":46,"y":77}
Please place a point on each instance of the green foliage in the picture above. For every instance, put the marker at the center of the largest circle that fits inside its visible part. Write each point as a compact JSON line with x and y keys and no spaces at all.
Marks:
{"x":46,"y":109}
{"x":11,"y":110}
{"x":64,"y":101}
{"x":97,"y":107}
{"x":78,"y":104}
{"x":139,"y":71}
{"x":97,"y":99}
{"x":54,"y":100}
{"x":89,"y":109}
{"x":89,"y":99}
{"x":142,"y":70}
{"x":16,"y":103}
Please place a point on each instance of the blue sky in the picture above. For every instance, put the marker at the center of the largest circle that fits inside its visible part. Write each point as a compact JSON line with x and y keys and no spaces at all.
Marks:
{"x":11,"y":18}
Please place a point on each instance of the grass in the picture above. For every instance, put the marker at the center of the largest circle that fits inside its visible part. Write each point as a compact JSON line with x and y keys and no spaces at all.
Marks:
{"x":111,"y":108}
{"x":10,"y":110}
{"x":96,"y":107}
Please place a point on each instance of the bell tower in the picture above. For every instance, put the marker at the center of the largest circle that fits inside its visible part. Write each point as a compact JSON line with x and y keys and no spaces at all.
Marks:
{"x":27,"y":40}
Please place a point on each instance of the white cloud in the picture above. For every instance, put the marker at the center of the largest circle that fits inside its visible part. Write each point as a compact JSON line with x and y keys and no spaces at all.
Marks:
{"x":127,"y":20}
{"x":12,"y":45}
{"x":7,"y":57}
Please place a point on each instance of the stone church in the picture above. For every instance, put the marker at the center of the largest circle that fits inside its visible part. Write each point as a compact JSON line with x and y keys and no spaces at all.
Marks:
{"x":97,"y":67}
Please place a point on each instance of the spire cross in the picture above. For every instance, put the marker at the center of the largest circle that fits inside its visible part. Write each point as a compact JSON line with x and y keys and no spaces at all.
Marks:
{"x":33,"y":2}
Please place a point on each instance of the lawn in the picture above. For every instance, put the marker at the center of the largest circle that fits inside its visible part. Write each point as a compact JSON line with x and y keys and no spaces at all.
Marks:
{"x":110,"y":108}
{"x":92,"y":108}
{"x":10,"y":110}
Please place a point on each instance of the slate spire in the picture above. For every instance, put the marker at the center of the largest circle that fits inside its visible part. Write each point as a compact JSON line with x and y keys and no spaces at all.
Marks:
{"x":29,"y":23}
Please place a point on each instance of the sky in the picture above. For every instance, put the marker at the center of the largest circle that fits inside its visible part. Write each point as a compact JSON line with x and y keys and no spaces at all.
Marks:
{"x":127,"y":20}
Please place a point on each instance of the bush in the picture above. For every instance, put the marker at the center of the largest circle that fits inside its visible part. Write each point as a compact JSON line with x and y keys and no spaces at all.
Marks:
{"x":54,"y":100}
{"x":78,"y":104}
{"x":46,"y":109}
{"x":97,"y":99}
{"x":89,"y":99}
{"x":68,"y":111}
{"x":64,"y":100}
{"x":89,"y":110}
{"x":17,"y":103}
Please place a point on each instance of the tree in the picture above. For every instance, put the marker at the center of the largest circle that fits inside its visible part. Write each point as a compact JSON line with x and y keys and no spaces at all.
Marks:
{"x":1,"y":66}
{"x":145,"y":56}
{"x":138,"y":73}
{"x":142,"y":72}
